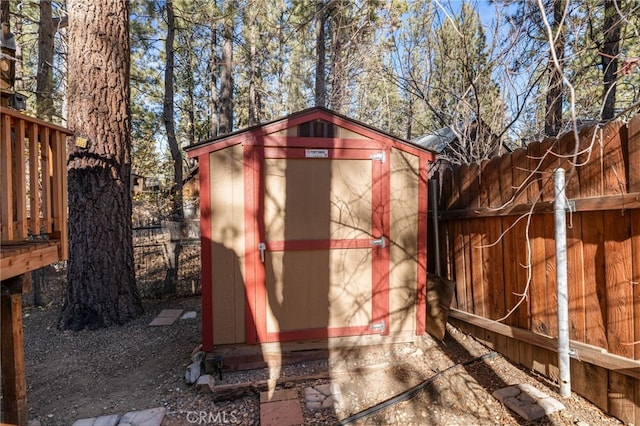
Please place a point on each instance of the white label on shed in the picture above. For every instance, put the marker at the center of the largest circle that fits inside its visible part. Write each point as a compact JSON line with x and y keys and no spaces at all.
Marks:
{"x":316,"y":153}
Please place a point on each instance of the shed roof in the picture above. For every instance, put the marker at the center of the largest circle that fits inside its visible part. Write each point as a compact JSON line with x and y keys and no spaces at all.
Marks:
{"x":297,"y":118}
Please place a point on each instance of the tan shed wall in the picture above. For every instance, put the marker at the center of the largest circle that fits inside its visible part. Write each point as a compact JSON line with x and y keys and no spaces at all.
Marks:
{"x":404,"y":243}
{"x":227,"y":245}
{"x":344,"y":202}
{"x":337,"y":294}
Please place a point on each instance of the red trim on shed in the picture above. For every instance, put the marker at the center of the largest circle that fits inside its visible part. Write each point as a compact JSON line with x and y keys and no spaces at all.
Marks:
{"x":421,"y":296}
{"x":318,"y":333}
{"x":205,"y":253}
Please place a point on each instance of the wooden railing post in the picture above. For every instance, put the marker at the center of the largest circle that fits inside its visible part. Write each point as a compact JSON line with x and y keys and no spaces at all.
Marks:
{"x":34,"y":190}
{"x":6,"y":191}
{"x":14,"y":386}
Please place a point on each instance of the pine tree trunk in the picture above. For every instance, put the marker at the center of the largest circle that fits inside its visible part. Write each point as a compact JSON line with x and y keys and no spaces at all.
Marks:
{"x":5,"y":12}
{"x":610,"y":52}
{"x":226,"y":71}
{"x":321,"y":79}
{"x":44,"y":78}
{"x":553,"y":119}
{"x":101,"y":286}
{"x":171,"y":277}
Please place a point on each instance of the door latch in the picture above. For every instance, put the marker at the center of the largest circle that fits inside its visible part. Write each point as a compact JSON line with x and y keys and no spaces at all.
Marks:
{"x":262,"y":247}
{"x":379,"y":242}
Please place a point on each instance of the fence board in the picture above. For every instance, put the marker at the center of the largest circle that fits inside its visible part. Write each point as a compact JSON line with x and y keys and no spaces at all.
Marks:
{"x":520,"y":175}
{"x":456,"y":190}
{"x":478,"y":288}
{"x":539,"y":320}
{"x":534,"y":189}
{"x":565,"y":149}
{"x":633,"y":149}
{"x":575,"y":279}
{"x":551,"y":287}
{"x":548,"y":163}
{"x":635,"y":278}
{"x":617,"y":253}
{"x":460,"y":265}
{"x":447,"y":182}
{"x":614,"y":171}
{"x":511,"y":241}
{"x":474,"y":185}
{"x":590,"y":164}
{"x":595,"y":286}
{"x":492,"y":181}
{"x":495,"y":274}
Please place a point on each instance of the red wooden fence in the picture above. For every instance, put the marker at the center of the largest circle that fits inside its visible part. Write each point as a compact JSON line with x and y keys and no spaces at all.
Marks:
{"x":497,"y":244}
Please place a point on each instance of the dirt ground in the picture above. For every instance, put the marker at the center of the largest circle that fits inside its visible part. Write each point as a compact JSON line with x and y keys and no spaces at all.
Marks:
{"x":74,"y":375}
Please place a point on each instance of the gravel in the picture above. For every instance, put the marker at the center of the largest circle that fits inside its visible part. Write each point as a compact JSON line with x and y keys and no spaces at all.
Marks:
{"x":74,"y":375}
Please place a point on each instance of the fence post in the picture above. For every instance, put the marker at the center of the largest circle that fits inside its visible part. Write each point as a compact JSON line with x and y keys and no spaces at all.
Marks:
{"x":433,"y":193}
{"x":560,"y":221}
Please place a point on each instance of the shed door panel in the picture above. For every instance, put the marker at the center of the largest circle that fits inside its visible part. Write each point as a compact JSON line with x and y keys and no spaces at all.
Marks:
{"x":319,"y":262}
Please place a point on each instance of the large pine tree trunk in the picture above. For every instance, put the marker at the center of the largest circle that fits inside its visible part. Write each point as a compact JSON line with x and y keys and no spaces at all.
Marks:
{"x":101,"y":288}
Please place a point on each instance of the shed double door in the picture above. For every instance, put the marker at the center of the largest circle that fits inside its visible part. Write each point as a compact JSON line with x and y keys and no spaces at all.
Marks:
{"x":323,"y":262}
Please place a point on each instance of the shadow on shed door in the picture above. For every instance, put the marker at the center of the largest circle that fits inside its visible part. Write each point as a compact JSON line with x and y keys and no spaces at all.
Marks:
{"x":318,"y":257}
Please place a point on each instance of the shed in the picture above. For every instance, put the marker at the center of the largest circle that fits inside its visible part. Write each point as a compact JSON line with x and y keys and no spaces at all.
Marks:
{"x":313,"y":226}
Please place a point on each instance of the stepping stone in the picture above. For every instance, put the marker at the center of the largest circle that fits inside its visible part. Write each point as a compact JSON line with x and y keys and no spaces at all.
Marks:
{"x":281,"y":413}
{"x":166,"y":317}
{"x":527,"y":401}
{"x":150,"y":417}
{"x":111,"y":420}
{"x":189,"y":315}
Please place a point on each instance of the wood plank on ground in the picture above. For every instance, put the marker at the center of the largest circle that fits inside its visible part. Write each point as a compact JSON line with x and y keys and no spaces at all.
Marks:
{"x":589,"y":380}
{"x":622,"y":397}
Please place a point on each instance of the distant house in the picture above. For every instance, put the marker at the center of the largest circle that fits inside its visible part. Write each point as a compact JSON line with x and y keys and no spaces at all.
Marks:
{"x":137,"y":183}
{"x":446,"y":144}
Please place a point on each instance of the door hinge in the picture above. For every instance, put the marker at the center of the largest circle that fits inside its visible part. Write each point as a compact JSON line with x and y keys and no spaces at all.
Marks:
{"x":379,"y":327}
{"x":380,"y":156}
{"x":262,"y":247}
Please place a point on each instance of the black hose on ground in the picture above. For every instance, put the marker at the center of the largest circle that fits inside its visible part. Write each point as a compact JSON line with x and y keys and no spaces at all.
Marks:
{"x":410,"y":393}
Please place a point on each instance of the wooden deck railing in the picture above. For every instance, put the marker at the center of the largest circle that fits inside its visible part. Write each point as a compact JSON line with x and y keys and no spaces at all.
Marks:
{"x":33,"y":180}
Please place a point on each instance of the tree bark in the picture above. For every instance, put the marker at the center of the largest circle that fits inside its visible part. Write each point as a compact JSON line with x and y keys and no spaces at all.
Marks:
{"x":101,"y":286}
{"x":5,"y":12}
{"x":44,"y":78}
{"x":171,"y":277}
{"x":611,"y":30}
{"x":226,"y":72}
{"x":321,"y":78}
{"x":553,"y":118}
